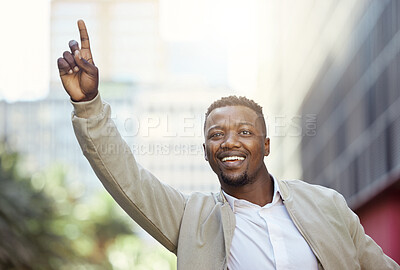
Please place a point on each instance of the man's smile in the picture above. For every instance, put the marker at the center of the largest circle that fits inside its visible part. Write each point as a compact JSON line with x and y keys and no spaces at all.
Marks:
{"x":231,"y":159}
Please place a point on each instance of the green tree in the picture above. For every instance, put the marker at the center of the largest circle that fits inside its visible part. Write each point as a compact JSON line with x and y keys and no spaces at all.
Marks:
{"x":47,"y":222}
{"x":26,"y":217}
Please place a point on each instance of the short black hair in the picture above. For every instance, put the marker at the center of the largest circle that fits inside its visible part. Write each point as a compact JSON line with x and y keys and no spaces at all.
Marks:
{"x":237,"y":101}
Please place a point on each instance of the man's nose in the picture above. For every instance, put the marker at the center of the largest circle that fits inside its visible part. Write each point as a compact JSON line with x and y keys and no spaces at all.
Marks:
{"x":230,"y":141}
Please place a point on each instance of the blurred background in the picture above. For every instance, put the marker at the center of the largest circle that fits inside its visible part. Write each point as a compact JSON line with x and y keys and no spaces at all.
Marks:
{"x":327,"y":74}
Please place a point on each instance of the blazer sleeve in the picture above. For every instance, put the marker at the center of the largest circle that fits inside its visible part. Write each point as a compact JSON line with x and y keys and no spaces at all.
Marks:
{"x":370,"y":254}
{"x":156,"y":207}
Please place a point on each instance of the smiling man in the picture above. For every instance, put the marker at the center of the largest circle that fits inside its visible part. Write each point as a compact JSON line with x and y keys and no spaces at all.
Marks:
{"x":254,"y":222}
{"x":235,"y":145}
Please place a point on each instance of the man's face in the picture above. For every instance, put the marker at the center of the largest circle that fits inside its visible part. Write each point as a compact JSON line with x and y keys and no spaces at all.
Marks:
{"x":235,"y":144}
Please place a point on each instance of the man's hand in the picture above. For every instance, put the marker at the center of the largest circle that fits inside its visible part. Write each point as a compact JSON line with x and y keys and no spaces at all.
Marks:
{"x":79,"y":75}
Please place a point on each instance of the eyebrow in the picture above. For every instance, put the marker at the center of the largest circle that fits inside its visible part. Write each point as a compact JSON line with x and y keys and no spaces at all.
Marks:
{"x":214,"y":127}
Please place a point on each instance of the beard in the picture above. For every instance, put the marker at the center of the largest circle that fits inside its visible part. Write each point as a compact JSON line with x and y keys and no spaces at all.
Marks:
{"x":236,"y":181}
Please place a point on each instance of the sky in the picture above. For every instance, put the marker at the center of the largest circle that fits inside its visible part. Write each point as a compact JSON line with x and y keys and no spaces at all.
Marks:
{"x":25,"y":46}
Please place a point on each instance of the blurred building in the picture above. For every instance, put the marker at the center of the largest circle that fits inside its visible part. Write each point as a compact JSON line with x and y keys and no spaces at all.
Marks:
{"x":295,"y":39}
{"x":354,"y":144}
{"x":329,"y":80}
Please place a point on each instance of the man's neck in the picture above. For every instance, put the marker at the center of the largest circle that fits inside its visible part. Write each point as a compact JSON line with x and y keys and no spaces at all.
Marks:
{"x":259,"y":192}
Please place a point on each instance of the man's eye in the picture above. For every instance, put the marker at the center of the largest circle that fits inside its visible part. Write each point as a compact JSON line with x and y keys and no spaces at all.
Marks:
{"x":215,"y":135}
{"x":245,"y":132}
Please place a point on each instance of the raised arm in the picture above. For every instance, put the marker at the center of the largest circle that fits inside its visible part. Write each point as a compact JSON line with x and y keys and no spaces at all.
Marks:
{"x":79,"y":75}
{"x":156,"y":207}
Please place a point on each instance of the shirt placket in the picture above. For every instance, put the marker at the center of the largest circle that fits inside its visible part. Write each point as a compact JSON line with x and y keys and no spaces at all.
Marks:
{"x":276,"y":237}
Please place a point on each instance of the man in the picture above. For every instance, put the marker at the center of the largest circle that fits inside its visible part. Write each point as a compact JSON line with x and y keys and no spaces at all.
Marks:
{"x":254,"y":222}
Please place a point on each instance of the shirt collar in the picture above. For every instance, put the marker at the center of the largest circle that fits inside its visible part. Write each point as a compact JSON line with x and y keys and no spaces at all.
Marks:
{"x":235,"y":202}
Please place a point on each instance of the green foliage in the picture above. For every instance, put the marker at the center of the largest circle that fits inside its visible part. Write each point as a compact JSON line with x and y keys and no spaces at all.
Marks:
{"x":46,"y":222}
{"x":25,"y":222}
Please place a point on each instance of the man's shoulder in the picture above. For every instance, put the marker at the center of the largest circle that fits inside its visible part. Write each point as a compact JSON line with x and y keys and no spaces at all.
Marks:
{"x":309,"y":198}
{"x":301,"y":184}
{"x":296,"y":188}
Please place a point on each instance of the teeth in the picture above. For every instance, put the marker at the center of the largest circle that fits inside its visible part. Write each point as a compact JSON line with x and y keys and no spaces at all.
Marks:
{"x":232,"y":158}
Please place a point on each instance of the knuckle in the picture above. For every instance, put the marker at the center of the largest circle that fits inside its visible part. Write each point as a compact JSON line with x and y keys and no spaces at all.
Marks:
{"x":73,"y":43}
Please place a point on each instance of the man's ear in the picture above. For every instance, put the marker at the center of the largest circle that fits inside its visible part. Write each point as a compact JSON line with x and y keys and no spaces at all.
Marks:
{"x":266,"y":146}
{"x":205,"y":152}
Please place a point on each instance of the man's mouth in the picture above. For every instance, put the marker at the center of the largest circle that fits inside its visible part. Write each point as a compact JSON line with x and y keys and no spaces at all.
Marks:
{"x":232,"y":161}
{"x":232,"y":158}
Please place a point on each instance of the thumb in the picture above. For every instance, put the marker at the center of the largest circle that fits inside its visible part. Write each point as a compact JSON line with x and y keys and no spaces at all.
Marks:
{"x":84,"y":64}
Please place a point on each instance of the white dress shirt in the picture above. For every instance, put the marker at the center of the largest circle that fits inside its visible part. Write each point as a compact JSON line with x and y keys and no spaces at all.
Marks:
{"x":266,"y":237}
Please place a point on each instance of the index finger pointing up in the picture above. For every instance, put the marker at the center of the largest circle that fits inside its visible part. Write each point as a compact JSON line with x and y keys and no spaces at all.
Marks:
{"x":84,"y":35}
